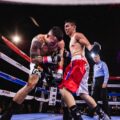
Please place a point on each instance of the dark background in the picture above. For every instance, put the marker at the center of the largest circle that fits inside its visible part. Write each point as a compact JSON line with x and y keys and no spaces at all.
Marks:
{"x":98,"y":23}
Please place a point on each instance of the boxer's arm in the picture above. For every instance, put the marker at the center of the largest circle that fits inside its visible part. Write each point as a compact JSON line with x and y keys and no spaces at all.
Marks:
{"x":59,"y":71}
{"x":53,"y":59}
{"x":58,"y":75}
{"x":96,"y":47}
{"x":47,"y":59}
{"x":61,"y":45}
{"x":35,"y":50}
{"x":83,"y":40}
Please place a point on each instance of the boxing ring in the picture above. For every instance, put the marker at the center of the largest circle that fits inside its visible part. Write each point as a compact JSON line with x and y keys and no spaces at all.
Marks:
{"x":52,"y":93}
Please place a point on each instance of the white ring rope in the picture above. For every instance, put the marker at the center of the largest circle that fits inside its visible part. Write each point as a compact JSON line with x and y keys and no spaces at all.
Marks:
{"x":14,"y":63}
{"x":110,"y":85}
{"x":114,"y":85}
{"x":12,"y":94}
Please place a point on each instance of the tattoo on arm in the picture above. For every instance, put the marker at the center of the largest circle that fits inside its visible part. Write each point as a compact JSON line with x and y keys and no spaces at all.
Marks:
{"x":35,"y":48}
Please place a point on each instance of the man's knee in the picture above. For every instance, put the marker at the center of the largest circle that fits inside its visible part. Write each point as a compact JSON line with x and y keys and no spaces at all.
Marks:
{"x":30,"y":86}
{"x":62,"y":92}
{"x":32,"y":81}
{"x":84,"y":96}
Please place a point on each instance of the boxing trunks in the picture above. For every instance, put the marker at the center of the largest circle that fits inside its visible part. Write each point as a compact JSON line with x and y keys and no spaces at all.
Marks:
{"x":75,"y":77}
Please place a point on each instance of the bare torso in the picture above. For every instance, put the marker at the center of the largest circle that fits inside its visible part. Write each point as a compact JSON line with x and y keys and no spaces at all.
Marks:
{"x":42,"y":48}
{"x":76,"y":48}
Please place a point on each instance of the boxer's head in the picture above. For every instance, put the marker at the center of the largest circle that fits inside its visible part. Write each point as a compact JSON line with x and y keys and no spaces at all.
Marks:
{"x":54,"y":36}
{"x":69,"y":27}
{"x":96,"y":58}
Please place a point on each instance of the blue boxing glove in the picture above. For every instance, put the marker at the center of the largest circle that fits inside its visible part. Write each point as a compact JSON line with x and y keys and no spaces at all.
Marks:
{"x":67,"y":54}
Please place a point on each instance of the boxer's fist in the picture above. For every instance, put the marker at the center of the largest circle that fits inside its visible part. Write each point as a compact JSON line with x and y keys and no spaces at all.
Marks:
{"x":56,"y":58}
{"x":37,"y":70}
{"x":96,"y":48}
{"x":66,"y":54}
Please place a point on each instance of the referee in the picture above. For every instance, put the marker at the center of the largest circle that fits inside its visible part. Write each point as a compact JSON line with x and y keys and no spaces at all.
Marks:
{"x":100,"y":81}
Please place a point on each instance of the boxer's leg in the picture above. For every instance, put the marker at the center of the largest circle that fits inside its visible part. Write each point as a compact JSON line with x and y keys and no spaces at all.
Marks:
{"x":20,"y":96}
{"x":95,"y":108}
{"x":70,"y":102}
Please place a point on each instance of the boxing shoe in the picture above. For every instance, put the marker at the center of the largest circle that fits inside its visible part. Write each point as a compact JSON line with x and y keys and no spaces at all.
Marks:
{"x":76,"y":113}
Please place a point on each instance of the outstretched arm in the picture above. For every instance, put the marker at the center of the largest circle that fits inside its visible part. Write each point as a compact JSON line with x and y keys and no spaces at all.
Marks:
{"x":96,"y":47}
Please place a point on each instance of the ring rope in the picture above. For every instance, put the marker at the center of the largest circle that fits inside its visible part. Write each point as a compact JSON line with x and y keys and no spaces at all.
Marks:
{"x":114,"y":78}
{"x":15,"y":49}
{"x":12,"y":94}
{"x":12,"y":78}
{"x":19,"y":81}
{"x":14,"y":63}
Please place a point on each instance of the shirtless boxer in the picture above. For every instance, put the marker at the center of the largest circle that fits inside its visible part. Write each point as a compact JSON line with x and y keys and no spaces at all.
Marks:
{"x":75,"y":79}
{"x":43,"y":52}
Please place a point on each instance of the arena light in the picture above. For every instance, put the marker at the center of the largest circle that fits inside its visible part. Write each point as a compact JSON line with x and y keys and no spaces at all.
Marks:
{"x":92,"y":55}
{"x":16,"y":39}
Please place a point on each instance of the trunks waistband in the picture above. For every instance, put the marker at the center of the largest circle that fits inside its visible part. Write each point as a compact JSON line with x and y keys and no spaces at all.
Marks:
{"x":78,"y":57}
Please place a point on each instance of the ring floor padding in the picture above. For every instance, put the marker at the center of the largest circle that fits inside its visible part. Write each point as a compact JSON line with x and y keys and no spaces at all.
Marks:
{"x":41,"y":116}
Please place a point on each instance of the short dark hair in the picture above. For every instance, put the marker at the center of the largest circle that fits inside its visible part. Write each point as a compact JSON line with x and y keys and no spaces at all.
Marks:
{"x":57,"y":32}
{"x":70,"y":21}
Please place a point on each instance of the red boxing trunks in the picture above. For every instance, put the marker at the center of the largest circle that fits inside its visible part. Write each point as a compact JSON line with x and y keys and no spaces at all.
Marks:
{"x":76,"y":76}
